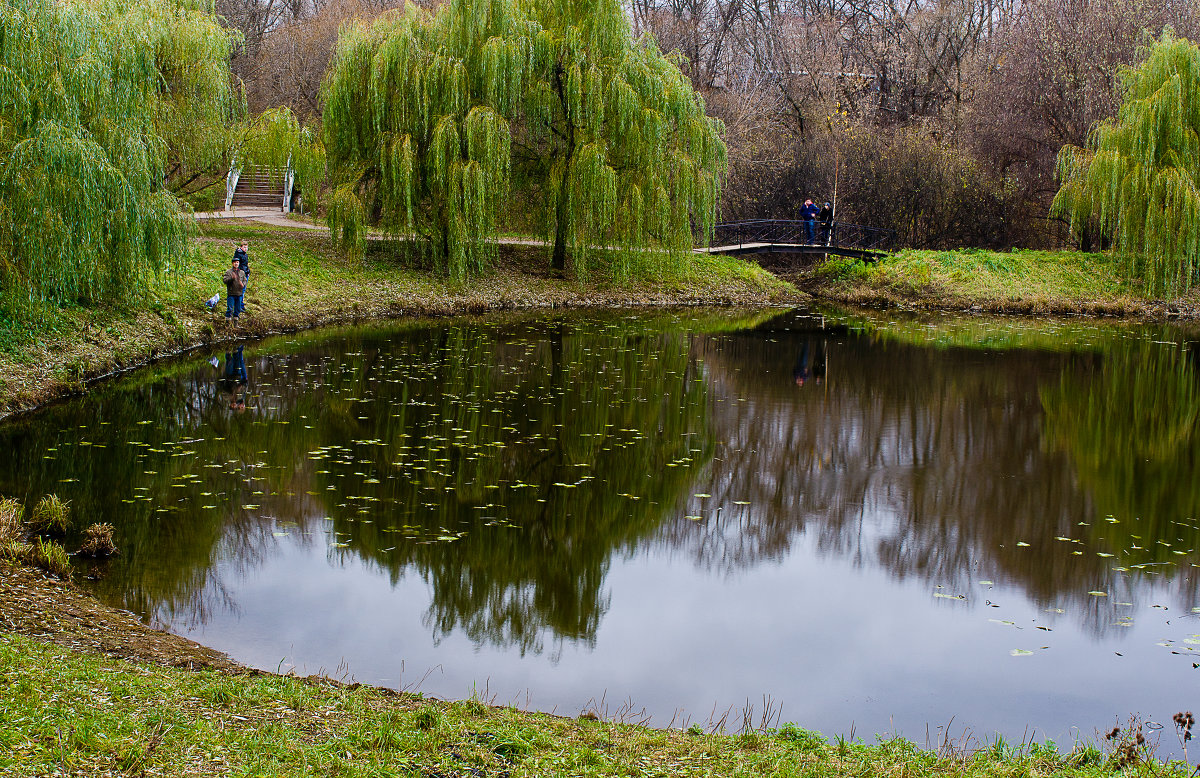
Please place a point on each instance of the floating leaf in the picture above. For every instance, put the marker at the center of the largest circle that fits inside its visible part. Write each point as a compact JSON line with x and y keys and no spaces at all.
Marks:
{"x":1020,"y":652}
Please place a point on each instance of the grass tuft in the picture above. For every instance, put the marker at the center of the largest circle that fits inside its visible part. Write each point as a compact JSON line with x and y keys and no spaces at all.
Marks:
{"x":51,"y":516}
{"x":428,"y":717}
{"x":48,"y":555}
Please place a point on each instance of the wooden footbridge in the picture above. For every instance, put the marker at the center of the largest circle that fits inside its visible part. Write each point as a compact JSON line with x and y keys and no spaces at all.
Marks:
{"x":770,"y":236}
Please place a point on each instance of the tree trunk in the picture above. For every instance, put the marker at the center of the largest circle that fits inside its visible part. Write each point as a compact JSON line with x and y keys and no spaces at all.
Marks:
{"x":562,"y":209}
{"x":559,"y":260}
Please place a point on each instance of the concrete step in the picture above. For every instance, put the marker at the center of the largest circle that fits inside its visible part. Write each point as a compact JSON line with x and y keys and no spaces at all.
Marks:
{"x":258,"y":202}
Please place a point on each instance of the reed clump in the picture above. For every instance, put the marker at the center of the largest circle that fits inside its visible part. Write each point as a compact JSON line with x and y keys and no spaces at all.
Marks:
{"x":98,"y":541}
{"x":10,"y":521}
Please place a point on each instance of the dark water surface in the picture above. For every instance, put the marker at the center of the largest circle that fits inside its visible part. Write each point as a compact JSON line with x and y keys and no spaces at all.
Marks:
{"x":882,"y":525}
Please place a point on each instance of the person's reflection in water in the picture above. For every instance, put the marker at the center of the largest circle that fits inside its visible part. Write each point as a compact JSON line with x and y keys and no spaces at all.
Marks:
{"x":810,"y":362}
{"x":235,"y":379}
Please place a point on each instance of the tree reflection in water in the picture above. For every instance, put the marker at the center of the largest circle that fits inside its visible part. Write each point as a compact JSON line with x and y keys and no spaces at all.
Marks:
{"x":953,"y":464}
{"x":507,"y":462}
{"x":504,"y":464}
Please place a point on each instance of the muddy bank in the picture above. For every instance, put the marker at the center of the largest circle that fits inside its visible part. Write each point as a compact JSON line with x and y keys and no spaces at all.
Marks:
{"x":35,"y":604}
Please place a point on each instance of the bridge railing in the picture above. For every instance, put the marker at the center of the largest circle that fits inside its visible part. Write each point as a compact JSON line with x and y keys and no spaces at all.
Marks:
{"x":790,"y":232}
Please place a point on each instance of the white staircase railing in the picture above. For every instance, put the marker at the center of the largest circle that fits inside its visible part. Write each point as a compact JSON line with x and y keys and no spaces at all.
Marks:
{"x":231,"y":183}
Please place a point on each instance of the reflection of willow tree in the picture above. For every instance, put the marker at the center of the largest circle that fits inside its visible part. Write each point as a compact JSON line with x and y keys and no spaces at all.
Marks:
{"x":1129,"y":426}
{"x":527,"y":444}
{"x":927,"y":462}
{"x":106,"y":449}
{"x":402,"y":435}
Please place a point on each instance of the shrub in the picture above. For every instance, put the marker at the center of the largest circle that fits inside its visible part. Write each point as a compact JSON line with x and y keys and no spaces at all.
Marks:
{"x":98,"y":541}
{"x":842,"y":269}
{"x":51,"y":516}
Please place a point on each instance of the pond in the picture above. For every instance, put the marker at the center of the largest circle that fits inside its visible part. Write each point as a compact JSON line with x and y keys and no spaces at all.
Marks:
{"x":920,"y":526}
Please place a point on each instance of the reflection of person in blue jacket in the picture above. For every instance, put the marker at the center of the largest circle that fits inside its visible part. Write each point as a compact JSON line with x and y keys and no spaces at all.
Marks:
{"x":809,"y":214}
{"x":235,"y":379}
{"x":810,"y":362}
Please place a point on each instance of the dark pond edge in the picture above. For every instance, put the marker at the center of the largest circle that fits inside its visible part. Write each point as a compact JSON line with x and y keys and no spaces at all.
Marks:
{"x":74,"y":377}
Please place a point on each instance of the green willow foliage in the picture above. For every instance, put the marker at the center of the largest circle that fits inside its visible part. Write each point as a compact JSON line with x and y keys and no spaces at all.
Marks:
{"x":94,"y":98}
{"x":1140,"y":175}
{"x":432,"y":119}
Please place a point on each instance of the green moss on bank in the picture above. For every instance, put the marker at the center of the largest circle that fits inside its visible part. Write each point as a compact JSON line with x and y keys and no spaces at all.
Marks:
{"x":80,"y":713}
{"x":300,"y":281}
{"x":1017,"y":281}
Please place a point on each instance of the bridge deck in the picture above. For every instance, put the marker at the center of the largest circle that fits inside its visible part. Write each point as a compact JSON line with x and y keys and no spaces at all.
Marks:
{"x":761,"y":236}
{"x":790,"y":248}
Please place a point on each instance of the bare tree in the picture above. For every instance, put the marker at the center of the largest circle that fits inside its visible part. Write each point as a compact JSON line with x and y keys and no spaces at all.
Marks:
{"x":1055,"y":74}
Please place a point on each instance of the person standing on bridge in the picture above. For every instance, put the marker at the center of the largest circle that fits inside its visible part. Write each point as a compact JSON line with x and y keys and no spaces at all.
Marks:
{"x":825,"y":217}
{"x":809,"y":214}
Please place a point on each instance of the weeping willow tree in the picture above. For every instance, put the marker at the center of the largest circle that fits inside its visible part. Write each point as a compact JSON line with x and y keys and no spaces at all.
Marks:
{"x":95,"y":97}
{"x":431,"y":120}
{"x":1139,"y":177}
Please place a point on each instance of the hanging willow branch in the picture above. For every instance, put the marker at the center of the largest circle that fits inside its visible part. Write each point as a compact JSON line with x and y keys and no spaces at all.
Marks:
{"x":431,"y":119}
{"x":93,"y":98}
{"x":1139,"y":178}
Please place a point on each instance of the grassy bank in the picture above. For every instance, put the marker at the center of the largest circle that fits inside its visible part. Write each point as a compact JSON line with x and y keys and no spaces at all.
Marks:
{"x":1037,"y":282}
{"x":299,"y":281}
{"x":64,"y":711}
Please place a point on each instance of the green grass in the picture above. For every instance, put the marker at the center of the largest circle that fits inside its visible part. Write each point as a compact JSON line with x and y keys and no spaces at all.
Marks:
{"x":967,"y":277}
{"x":62,"y":711}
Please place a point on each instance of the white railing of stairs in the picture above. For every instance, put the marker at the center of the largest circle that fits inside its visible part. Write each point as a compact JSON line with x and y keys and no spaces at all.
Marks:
{"x":231,"y":184}
{"x":235,"y":172}
{"x":289,"y":179}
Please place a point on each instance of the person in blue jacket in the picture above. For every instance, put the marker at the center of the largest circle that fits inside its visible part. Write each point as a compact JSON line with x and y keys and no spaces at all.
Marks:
{"x":809,"y":214}
{"x":242,"y":255}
